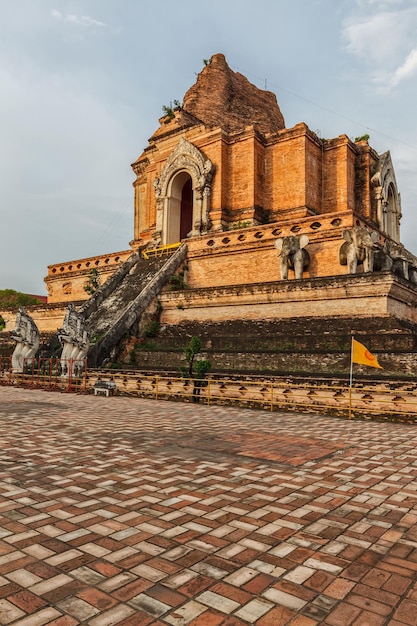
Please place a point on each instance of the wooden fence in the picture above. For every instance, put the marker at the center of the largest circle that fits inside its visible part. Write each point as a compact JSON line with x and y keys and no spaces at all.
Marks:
{"x":384,"y":399}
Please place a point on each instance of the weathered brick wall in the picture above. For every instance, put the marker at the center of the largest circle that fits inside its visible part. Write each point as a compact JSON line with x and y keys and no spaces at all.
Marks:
{"x":249,"y":256}
{"x":280,"y":363}
{"x":65,"y":282}
{"x":303,"y":346}
{"x":381,"y":295}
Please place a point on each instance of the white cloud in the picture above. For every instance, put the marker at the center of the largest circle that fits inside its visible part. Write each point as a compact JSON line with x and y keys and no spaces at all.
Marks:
{"x":407,"y":69}
{"x":80,"y":20}
{"x":380,"y":40}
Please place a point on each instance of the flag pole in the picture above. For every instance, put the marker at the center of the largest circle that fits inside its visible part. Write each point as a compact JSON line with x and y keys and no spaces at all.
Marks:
{"x":351,"y":379}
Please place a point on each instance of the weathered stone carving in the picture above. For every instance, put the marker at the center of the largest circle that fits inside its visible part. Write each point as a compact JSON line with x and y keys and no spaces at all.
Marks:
{"x":394,"y":257}
{"x":26,"y":335}
{"x":387,"y":198}
{"x":293,"y":255}
{"x":358,"y":248}
{"x":382,"y":262}
{"x":403,"y":262}
{"x":186,"y":158}
{"x":75,"y":340}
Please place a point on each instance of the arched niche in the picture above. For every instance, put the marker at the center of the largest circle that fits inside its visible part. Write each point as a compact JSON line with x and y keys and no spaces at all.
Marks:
{"x":178,"y":216}
{"x":183,"y":194}
{"x":388,"y":200}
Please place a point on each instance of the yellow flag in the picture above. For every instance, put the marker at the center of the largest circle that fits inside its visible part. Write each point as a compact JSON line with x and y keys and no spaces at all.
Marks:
{"x":361,"y":355}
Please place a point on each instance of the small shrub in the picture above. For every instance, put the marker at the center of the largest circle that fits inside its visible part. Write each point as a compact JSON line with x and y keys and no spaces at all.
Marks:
{"x":169,"y":110}
{"x":240,"y":224}
{"x":93,"y":283}
{"x":151,"y":329}
{"x":177,"y":282}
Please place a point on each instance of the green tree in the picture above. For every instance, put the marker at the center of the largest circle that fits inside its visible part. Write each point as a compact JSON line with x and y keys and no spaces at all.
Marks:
{"x":9,"y":298}
{"x":197,"y":367}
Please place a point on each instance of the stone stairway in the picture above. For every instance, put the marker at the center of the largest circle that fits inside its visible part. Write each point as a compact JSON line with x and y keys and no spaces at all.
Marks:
{"x":116,"y":306}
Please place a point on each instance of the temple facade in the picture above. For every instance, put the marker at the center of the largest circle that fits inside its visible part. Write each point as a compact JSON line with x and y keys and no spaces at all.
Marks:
{"x":224,"y":174}
{"x":271,"y":244}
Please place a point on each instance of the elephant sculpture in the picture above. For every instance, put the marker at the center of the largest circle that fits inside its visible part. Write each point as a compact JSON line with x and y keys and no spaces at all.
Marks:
{"x":404,"y":263}
{"x":393,"y":257}
{"x":382,"y":261}
{"x":358,"y":248}
{"x":293,"y":255}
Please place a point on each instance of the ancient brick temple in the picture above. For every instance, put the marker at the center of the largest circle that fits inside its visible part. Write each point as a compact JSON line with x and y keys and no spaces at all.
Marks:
{"x":279,"y":223}
{"x":224,"y":173}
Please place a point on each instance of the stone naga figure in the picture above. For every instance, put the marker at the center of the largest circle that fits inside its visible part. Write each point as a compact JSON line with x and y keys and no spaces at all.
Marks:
{"x":293,"y":255}
{"x":26,"y":335}
{"x":358,"y":248}
{"x":75,"y":340}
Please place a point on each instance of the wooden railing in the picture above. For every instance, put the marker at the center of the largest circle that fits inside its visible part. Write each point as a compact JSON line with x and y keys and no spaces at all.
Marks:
{"x":160,"y":251}
{"x":386,"y":400}
{"x":46,"y":374}
{"x":373,"y":401}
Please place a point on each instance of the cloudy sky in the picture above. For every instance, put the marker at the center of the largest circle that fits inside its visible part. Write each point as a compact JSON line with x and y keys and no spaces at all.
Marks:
{"x":83,"y":83}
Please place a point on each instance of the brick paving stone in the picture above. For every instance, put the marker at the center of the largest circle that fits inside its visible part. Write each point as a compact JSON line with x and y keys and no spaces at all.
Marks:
{"x":186,"y":613}
{"x":278,"y":616}
{"x":369,"y":619}
{"x":65,"y":620}
{"x":406,"y":612}
{"x":217,"y":601}
{"x":284,"y":599}
{"x":135,"y":619}
{"x":78,"y":608}
{"x":9,"y":612}
{"x":55,"y":595}
{"x":136,"y":512}
{"x":259,"y":583}
{"x":301,"y":620}
{"x":343,"y":615}
{"x":44,"y":616}
{"x":113,"y":616}
{"x":209,"y":618}
{"x":254,"y":609}
{"x":27,"y":601}
{"x":149,"y":605}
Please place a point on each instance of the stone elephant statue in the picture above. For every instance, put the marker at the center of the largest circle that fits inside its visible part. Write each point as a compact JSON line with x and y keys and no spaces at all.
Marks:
{"x":395,"y":258}
{"x":358,"y":248}
{"x":293,"y":255}
{"x":382,"y":262}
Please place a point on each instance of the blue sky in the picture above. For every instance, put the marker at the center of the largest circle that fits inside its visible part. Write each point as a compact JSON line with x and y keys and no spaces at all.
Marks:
{"x":83,"y":83}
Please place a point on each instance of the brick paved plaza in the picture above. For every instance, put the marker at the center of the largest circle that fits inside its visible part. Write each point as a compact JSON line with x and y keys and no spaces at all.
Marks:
{"x":132,"y":512}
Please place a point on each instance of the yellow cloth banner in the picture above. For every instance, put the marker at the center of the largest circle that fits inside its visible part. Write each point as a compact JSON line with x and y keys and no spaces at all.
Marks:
{"x":361,"y":355}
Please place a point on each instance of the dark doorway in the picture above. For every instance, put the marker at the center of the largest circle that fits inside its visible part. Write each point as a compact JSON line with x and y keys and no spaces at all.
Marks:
{"x":186,"y":222}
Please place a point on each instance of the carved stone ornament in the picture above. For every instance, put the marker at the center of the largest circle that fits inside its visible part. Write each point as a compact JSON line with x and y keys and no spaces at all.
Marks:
{"x":75,"y":340}
{"x":387,"y":197}
{"x":139,"y":167}
{"x":190,"y":159}
{"x":26,"y":335}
